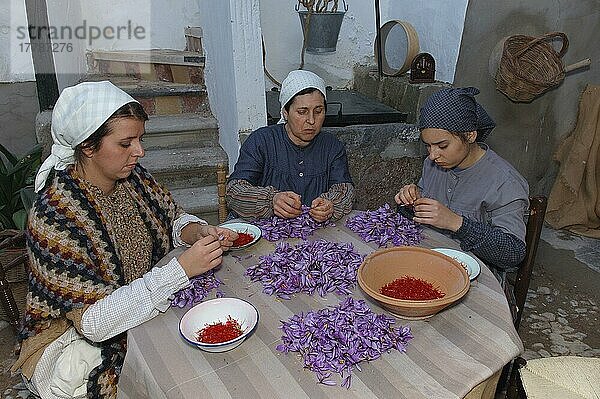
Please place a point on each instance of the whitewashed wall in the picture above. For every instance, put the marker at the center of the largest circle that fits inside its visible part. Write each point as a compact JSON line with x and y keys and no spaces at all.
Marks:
{"x":233,"y":73}
{"x":15,"y":59}
{"x":438,"y":23}
{"x":162,"y":23}
{"x":70,"y":65}
{"x":232,"y":31}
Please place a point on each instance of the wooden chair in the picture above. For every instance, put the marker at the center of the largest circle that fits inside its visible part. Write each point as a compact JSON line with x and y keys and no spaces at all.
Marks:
{"x":7,"y":296}
{"x":221,"y":188}
{"x":535,"y":222}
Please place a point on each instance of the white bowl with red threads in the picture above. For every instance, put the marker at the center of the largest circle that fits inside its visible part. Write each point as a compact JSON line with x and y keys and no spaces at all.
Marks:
{"x":215,"y":311}
{"x":247,"y":228}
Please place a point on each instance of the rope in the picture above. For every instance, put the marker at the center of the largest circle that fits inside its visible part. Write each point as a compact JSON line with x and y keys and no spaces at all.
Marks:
{"x":305,"y":39}
{"x":264,"y":51}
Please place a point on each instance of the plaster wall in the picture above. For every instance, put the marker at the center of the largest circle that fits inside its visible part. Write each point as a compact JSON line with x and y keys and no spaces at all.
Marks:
{"x":88,"y":24}
{"x":527,"y":134}
{"x":15,"y":59}
{"x":69,"y":62}
{"x":163,"y":22}
{"x":439,"y":25}
{"x":18,"y":95}
{"x":437,"y":22}
{"x":117,"y":25}
{"x":18,"y":108}
{"x":233,"y":73}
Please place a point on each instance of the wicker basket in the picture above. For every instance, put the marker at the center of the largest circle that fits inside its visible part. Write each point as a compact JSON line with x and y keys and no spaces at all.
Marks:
{"x":529,"y":66}
{"x":16,"y":276}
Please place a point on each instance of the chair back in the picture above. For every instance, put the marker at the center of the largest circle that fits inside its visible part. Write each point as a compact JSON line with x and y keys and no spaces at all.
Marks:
{"x":12,"y":296}
{"x":221,"y":189}
{"x":535,"y":222}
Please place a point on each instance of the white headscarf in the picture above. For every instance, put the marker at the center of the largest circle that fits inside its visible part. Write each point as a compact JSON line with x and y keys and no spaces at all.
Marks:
{"x":295,"y":82}
{"x":79,"y":111}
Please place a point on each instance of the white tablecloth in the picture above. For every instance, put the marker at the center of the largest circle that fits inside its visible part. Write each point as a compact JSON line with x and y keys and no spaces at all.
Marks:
{"x":451,"y":353}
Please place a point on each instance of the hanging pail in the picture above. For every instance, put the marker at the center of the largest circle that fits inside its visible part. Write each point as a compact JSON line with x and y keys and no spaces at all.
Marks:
{"x":323,"y":30}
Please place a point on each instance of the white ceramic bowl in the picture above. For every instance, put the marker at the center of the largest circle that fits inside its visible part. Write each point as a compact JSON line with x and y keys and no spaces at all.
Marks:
{"x":466,"y":260}
{"x":214,"y":311}
{"x":241,"y":227}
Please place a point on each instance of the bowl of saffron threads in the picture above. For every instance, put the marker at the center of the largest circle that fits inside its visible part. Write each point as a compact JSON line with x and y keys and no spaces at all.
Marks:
{"x":218,"y":325}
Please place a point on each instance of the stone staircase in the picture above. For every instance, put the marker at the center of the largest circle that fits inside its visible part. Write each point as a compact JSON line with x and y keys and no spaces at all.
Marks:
{"x":182,"y":135}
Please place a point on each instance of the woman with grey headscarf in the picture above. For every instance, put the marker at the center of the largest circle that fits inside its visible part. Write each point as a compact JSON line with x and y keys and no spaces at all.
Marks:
{"x":96,"y":229}
{"x":292,"y":164}
{"x":466,"y":189}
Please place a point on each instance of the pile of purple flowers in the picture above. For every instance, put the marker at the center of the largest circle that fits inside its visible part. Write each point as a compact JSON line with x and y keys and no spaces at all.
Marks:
{"x":320,"y":266}
{"x":199,"y":288}
{"x":384,"y":225}
{"x":276,"y":228}
{"x":336,"y":339}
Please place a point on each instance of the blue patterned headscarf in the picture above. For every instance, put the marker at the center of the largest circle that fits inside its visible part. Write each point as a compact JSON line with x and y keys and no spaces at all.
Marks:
{"x":457,"y":111}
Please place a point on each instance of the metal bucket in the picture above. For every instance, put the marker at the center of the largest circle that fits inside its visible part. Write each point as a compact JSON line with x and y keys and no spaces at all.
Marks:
{"x":323,"y":30}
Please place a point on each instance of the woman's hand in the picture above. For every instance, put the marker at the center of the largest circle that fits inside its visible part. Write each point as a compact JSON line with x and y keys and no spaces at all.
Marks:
{"x":321,"y":209}
{"x":227,"y":237}
{"x":432,"y":212}
{"x":408,"y":195}
{"x":196,"y":231}
{"x":287,"y":204}
{"x":205,"y":254}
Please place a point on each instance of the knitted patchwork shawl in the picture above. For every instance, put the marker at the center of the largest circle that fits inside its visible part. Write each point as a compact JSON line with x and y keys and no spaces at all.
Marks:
{"x":75,"y":262}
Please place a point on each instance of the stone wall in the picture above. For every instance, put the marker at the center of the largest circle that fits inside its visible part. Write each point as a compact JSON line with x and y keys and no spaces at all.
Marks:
{"x":395,"y":91}
{"x":382,"y":158}
{"x":385,"y":157}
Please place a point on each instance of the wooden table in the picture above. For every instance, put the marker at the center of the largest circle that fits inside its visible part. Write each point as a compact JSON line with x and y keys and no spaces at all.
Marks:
{"x":456,"y":353}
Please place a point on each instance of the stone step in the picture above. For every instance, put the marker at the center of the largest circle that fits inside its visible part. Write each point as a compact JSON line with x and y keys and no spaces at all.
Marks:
{"x":182,"y":130}
{"x":166,"y":65}
{"x":200,"y":201}
{"x":161,"y":98}
{"x":185,"y":167}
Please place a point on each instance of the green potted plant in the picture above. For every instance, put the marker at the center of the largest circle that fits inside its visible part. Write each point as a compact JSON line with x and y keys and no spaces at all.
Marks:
{"x":16,"y":186}
{"x":17,"y":176}
{"x":321,"y":22}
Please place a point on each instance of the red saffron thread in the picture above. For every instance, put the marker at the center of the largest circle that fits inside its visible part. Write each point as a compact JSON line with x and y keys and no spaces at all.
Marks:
{"x":411,"y":288}
{"x":243,"y":239}
{"x":220,"y":332}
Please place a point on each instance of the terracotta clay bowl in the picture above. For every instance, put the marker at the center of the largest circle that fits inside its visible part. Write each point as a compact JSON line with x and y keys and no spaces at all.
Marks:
{"x":386,"y":265}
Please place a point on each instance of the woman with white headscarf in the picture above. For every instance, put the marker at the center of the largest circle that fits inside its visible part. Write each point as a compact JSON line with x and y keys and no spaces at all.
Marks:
{"x":292,"y":164}
{"x":95,"y":231}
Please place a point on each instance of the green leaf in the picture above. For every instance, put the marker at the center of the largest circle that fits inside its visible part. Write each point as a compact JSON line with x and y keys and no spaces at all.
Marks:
{"x":12,"y":159}
{"x":6,"y":222}
{"x":27,"y":197}
{"x":15,"y":196}
{"x":20,"y":219}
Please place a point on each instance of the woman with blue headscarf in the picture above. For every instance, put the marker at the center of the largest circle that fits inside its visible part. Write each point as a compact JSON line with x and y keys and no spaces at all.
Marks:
{"x":466,"y":189}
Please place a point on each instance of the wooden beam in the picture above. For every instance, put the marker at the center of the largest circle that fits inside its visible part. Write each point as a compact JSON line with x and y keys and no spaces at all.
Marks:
{"x":41,"y":53}
{"x":379,"y":54}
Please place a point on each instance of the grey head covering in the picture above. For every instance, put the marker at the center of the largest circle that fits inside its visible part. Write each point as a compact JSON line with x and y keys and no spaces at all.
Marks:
{"x":295,"y":82}
{"x":79,"y":111}
{"x":457,"y":111}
